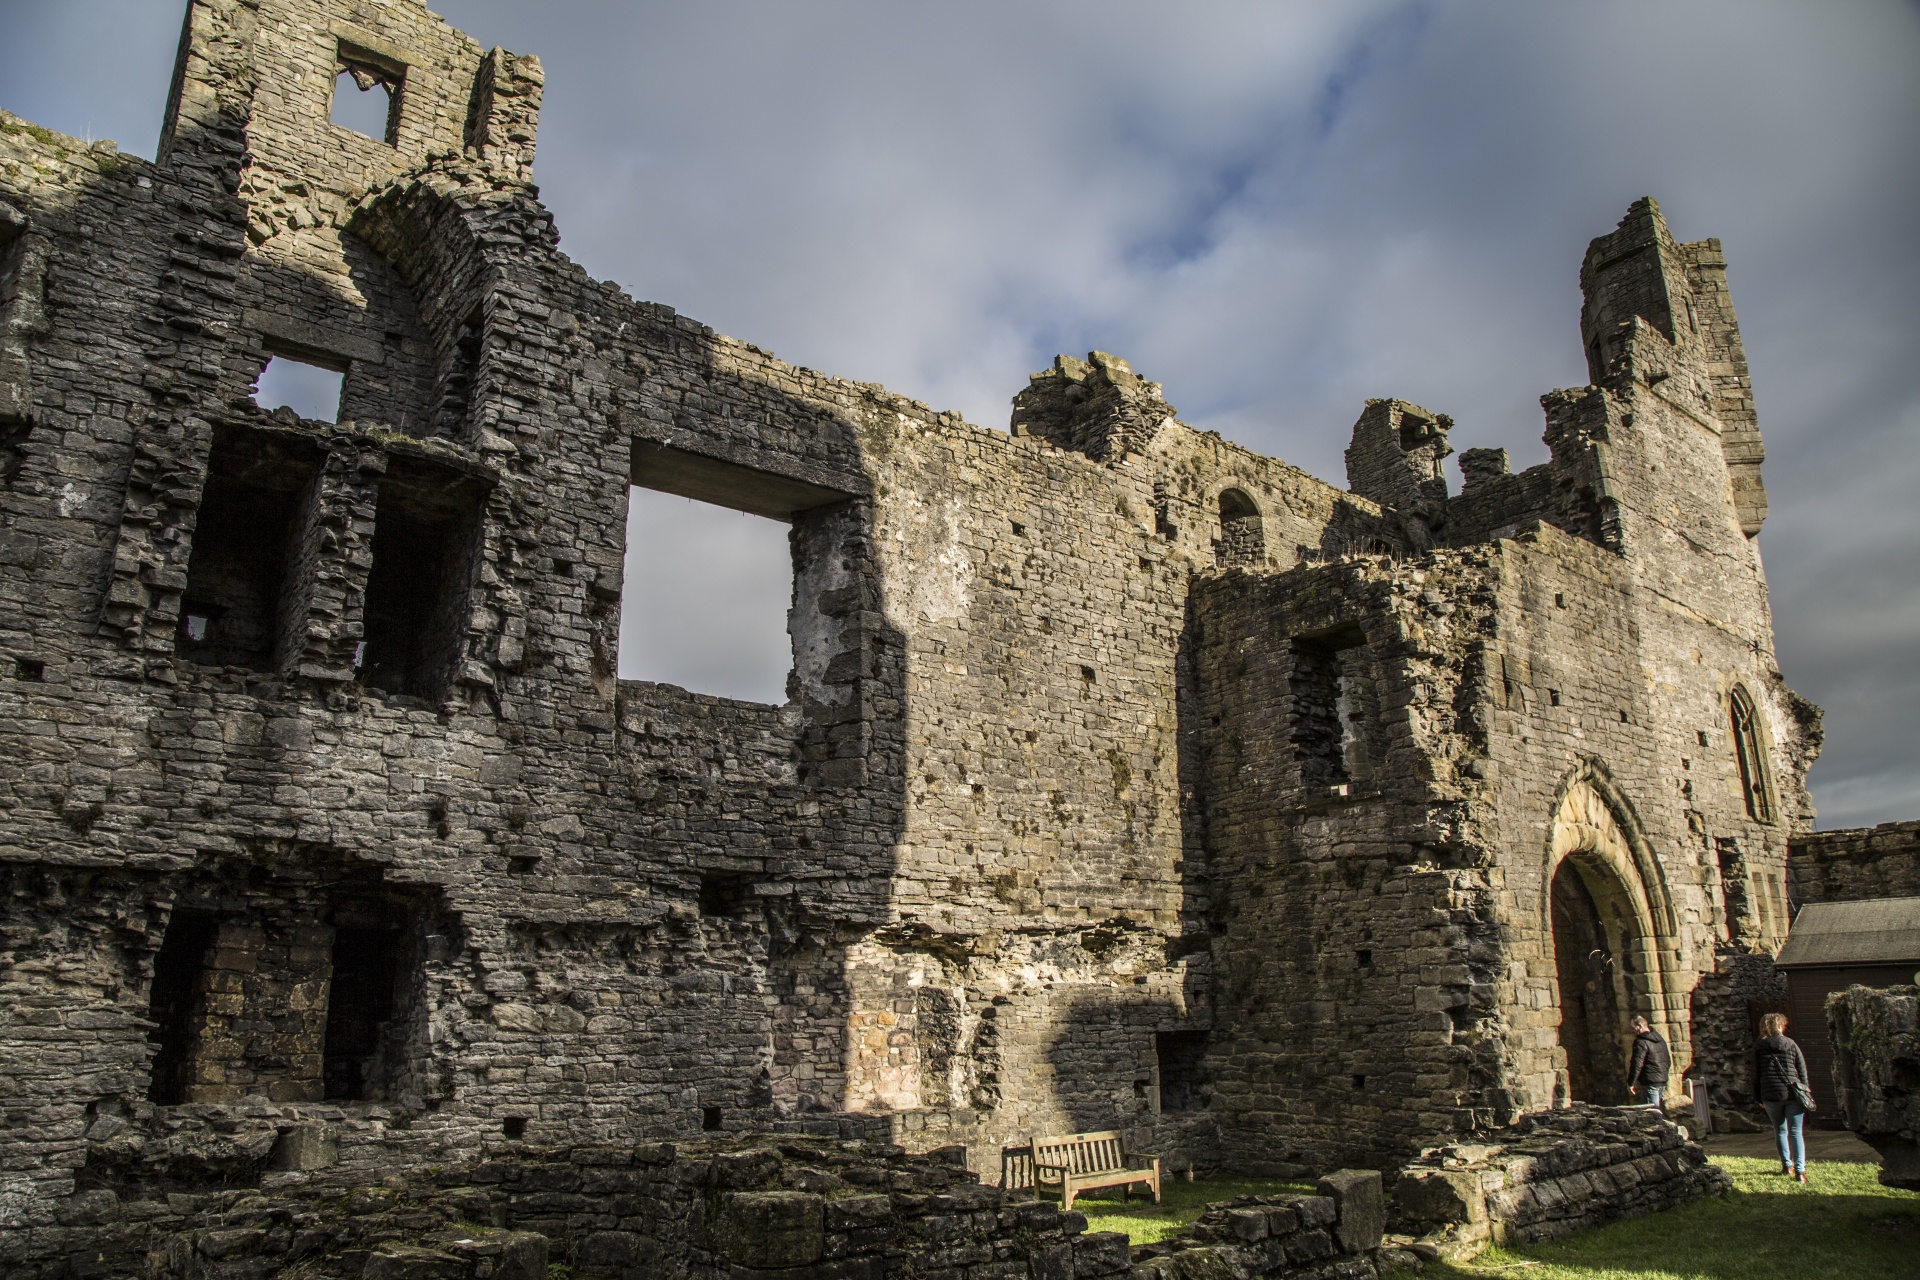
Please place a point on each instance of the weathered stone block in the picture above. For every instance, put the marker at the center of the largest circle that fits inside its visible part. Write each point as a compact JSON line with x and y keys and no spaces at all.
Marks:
{"x":770,"y":1228}
{"x":1361,"y":1204}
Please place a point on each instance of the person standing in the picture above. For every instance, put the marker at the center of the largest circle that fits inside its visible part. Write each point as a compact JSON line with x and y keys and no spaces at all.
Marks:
{"x":1652,"y":1062}
{"x":1780,"y":1083}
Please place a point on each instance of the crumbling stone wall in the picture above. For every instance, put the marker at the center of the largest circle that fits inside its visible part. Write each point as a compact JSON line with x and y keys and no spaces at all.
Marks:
{"x":1876,"y":1074}
{"x":1860,"y":862}
{"x":1551,"y":1175}
{"x":1125,"y":778}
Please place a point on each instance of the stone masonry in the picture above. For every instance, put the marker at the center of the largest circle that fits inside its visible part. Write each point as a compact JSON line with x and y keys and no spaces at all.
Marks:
{"x":1125,"y":779}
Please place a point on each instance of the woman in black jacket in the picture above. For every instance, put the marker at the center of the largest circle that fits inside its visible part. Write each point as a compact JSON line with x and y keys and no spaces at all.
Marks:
{"x":1780,"y":1083}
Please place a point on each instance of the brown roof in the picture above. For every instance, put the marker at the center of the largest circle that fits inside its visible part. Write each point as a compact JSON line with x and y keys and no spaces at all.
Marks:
{"x":1874,"y":931}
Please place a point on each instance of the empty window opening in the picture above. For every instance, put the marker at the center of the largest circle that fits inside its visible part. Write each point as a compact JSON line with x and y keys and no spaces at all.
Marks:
{"x":426,"y":539}
{"x":1750,"y":753}
{"x":177,"y":1002}
{"x":514,"y":1127}
{"x":302,"y":386}
{"x":725,"y":893}
{"x":1181,"y":1058}
{"x":462,"y":369}
{"x":366,"y":95}
{"x":1363,"y":959}
{"x":705,"y":600}
{"x":241,"y":595}
{"x":1243,"y":538}
{"x":30,"y":669}
{"x":1359,"y":1082}
{"x":360,"y":1004}
{"x":710,"y":1118}
{"x":1335,"y":709}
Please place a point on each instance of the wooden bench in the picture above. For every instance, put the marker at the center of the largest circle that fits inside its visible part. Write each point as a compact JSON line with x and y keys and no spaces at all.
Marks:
{"x":1068,"y":1164}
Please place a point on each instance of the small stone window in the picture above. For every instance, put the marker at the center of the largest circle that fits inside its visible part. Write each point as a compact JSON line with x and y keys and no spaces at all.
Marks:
{"x":243,"y":583}
{"x":1750,"y":753}
{"x":1335,"y":708}
{"x":306,"y":384}
{"x":366,"y":94}
{"x":426,"y":544}
{"x":1180,"y":1060}
{"x":1243,"y":539}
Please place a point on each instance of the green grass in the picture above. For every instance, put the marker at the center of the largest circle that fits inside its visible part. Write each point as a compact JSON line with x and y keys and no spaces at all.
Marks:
{"x":1180,"y":1203}
{"x":1843,"y":1223}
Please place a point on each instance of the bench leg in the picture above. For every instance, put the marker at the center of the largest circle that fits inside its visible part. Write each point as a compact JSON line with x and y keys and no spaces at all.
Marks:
{"x":1066,"y":1197}
{"x":1156,"y":1188}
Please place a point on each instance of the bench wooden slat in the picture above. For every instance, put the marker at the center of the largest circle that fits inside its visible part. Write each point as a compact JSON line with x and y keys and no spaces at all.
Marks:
{"x":1076,"y":1162}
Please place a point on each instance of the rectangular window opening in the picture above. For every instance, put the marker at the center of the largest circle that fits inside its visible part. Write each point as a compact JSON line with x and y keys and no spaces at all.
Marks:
{"x":360,"y":1004}
{"x":725,"y":893}
{"x":306,"y":385}
{"x":426,"y":541}
{"x":1335,"y":710}
{"x":1181,"y":1059}
{"x":243,"y":573}
{"x":705,"y":598}
{"x":176,"y":1002}
{"x":367,"y":89}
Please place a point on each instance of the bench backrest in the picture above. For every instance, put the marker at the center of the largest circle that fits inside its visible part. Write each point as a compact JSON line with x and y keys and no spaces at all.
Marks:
{"x":1082,"y":1152}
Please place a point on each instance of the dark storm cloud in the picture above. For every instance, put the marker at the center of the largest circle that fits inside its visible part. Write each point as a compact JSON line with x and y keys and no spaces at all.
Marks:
{"x":1277,"y":210}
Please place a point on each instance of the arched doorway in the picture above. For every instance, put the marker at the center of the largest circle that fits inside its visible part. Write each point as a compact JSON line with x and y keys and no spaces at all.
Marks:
{"x":1613,"y":941}
{"x":1589,"y":960}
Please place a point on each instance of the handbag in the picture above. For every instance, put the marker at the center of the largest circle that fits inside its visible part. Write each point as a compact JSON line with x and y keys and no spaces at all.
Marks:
{"x":1803,"y":1096}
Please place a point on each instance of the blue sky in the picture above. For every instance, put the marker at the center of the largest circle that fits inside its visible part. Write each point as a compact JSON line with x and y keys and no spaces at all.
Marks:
{"x":1275,"y":209}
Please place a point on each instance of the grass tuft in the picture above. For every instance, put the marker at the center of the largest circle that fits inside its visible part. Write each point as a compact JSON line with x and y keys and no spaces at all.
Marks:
{"x":1180,"y":1204}
{"x":1843,"y":1223}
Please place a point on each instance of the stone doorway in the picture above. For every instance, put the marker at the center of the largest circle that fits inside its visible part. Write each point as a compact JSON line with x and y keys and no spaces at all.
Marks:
{"x":1611,"y":931}
{"x":1592,"y":1018}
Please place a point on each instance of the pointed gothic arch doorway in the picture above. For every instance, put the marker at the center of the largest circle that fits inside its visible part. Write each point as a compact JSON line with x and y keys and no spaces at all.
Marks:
{"x":1613,"y":942}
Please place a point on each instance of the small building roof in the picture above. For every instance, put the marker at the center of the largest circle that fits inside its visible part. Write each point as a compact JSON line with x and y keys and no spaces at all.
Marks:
{"x":1874,"y":931}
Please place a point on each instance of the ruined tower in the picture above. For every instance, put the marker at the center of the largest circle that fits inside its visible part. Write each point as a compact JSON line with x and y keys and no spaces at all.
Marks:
{"x":1127,"y":778}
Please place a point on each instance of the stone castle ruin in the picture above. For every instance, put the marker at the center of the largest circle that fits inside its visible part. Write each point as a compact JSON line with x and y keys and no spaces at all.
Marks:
{"x":1126,"y":778}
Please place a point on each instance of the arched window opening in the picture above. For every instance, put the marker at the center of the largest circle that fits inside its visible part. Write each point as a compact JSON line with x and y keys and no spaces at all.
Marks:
{"x":1243,"y":540}
{"x":1751,"y":756}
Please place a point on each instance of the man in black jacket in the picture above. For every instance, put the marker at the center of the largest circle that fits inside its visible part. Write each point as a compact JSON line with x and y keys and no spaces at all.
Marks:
{"x":1651,"y":1063}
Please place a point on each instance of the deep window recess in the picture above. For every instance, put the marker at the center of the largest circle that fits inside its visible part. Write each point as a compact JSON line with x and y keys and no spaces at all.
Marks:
{"x":1243,"y":540}
{"x":463,"y":366}
{"x":308,"y":387}
{"x":176,"y":1001}
{"x":1181,"y":1057}
{"x":1750,"y":752}
{"x":725,"y":893}
{"x":426,"y":539}
{"x":1335,"y":709}
{"x":705,"y":600}
{"x":360,"y":1004}
{"x":241,"y":576}
{"x":366,"y":95}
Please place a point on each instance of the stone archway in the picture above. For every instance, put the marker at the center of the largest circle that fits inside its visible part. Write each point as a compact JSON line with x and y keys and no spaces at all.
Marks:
{"x":1613,"y":940}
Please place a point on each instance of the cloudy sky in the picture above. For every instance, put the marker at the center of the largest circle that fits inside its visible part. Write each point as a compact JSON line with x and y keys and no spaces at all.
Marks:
{"x":1276,"y":209}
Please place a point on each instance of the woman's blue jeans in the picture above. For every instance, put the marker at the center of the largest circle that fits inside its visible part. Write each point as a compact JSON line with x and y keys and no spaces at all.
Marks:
{"x":1787,"y":1117}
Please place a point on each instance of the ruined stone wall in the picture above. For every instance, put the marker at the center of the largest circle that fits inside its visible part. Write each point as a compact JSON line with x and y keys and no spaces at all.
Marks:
{"x":320,"y":783}
{"x":1860,"y":862}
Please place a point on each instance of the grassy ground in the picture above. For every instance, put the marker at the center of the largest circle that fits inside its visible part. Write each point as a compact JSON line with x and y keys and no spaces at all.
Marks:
{"x":1180,"y":1203}
{"x":1843,"y":1223}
